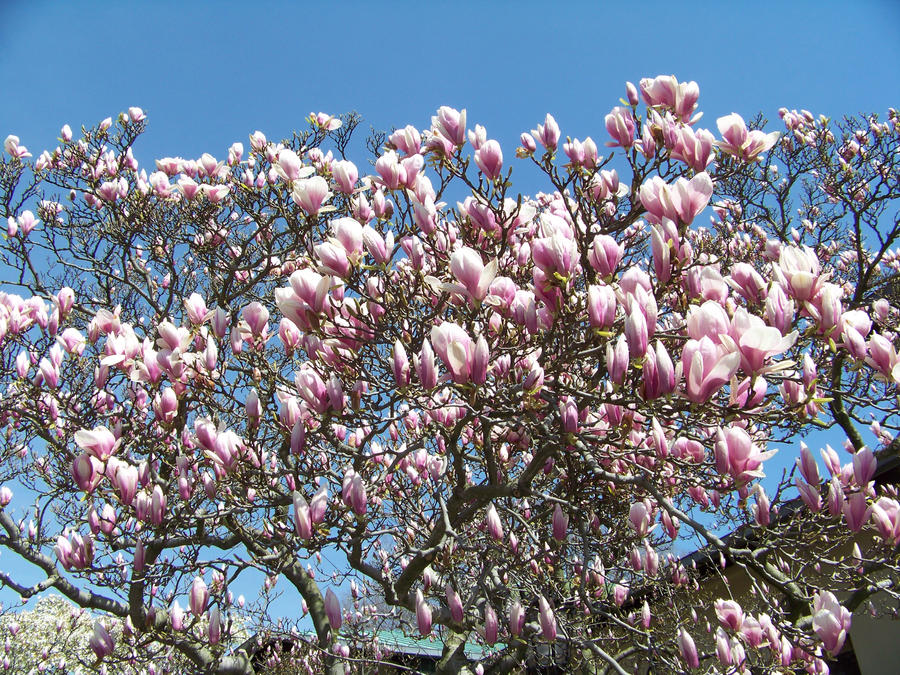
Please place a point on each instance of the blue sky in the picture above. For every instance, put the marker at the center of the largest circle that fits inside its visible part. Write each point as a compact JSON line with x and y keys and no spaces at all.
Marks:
{"x":210,"y":73}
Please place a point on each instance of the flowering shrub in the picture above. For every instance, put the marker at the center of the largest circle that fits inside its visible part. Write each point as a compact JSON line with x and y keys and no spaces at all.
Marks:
{"x":501,"y":414}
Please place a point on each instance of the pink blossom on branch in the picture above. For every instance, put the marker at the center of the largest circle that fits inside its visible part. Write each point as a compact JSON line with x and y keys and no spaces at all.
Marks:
{"x":741,"y":143}
{"x":680,"y":202}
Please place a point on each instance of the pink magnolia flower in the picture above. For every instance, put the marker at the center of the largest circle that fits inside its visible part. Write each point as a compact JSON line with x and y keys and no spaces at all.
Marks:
{"x":547,"y":133}
{"x":605,"y":254}
{"x":99,"y":442}
{"x":706,"y":282}
{"x":455,"y":348}
{"x":319,"y":504}
{"x":391,"y":172}
{"x":354,"y":492}
{"x":826,"y":308}
{"x":165,"y":405}
{"x":333,"y":259}
{"x":478,"y":137}
{"x":568,"y":413}
{"x":882,"y":356}
{"x":694,"y":148}
{"x":14,"y":148}
{"x":423,"y":614}
{"x":560,"y":523}
{"x":738,"y":456}
{"x":556,"y":255}
{"x":214,"y":628}
{"x":489,"y":158}
{"x":125,"y":480}
{"x":290,"y":166}
{"x":708,"y":320}
{"x":235,"y":153}
{"x":310,"y":194}
{"x":381,"y":248}
{"x":27,"y":222}
{"x":605,"y":187}
{"x":333,"y":610}
{"x":620,"y":125}
{"x":186,"y":185}
{"x":63,"y":550}
{"x":492,"y":522}
{"x":856,"y":511}
{"x":620,"y":594}
{"x":345,"y":175}
{"x":400,"y":364}
{"x":450,"y":124}
{"x":706,"y":368}
{"x":636,"y":332}
{"x":688,"y":649}
{"x":406,"y":140}
{"x":86,"y":470}
{"x":256,"y":316}
{"x":473,"y":275}
{"x":582,"y":153}
{"x":348,"y":233}
{"x":798,"y":272}
{"x":740,"y":143}
{"x":809,"y":494}
{"x":632,"y":94}
{"x":807,"y":465}
{"x":864,"y":465}
{"x":425,"y":367}
{"x":528,"y":144}
{"x":756,"y":342}
{"x":831,"y":621}
{"x":502,"y":294}
{"x":617,"y":359}
{"x":176,"y":616}
{"x":311,"y":388}
{"x":454,"y":602}
{"x":729,"y":614}
{"x":516,"y":618}
{"x":325,"y":121}
{"x":837,"y":501}
{"x":480,"y":360}
{"x":780,"y":309}
{"x":666,"y":91}
{"x":546,"y":619}
{"x":491,"y":626}
{"x":258,"y":141}
{"x":662,"y":254}
{"x":639,"y":517}
{"x":658,"y":373}
{"x":196,"y":309}
{"x":680,"y":202}
{"x":158,"y":502}
{"x":101,"y":642}
{"x":601,"y":305}
{"x":885,"y":514}
{"x":199,"y":597}
{"x":305,"y":301}
{"x":64,"y":300}
{"x":747,"y":281}
{"x":302,"y":520}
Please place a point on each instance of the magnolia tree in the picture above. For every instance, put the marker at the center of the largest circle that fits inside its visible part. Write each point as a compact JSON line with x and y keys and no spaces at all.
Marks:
{"x":59,"y":637}
{"x":506,"y":416}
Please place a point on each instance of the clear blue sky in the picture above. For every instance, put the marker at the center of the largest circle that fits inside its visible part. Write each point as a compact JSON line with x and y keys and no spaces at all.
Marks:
{"x":210,"y":73}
